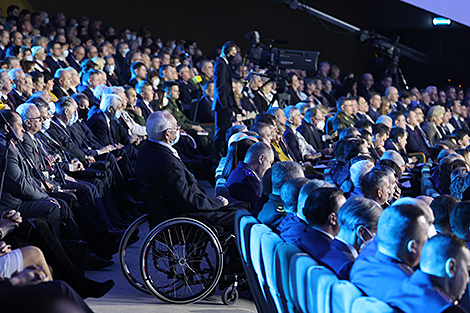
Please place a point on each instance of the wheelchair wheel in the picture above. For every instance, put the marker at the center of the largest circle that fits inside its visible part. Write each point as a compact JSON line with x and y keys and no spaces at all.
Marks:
{"x":181,"y":261}
{"x":129,"y":252}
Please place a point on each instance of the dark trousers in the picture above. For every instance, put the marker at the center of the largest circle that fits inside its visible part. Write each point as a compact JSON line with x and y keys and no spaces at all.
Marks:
{"x":223,"y":121}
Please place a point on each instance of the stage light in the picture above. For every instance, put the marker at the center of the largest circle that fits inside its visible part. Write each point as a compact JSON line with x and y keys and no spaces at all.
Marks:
{"x":441,"y":21}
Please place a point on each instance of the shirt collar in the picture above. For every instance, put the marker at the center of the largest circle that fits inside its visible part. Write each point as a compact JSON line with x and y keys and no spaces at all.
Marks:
{"x":173,"y":150}
{"x":328,"y":234}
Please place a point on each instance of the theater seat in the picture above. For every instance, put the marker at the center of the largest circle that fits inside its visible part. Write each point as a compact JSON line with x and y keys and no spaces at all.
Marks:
{"x":342,"y":296}
{"x":269,"y":242}
{"x":283,"y":255}
{"x":298,"y":268}
{"x":257,"y":231}
{"x":244,"y":221}
{"x":370,"y":305}
{"x":319,"y":282}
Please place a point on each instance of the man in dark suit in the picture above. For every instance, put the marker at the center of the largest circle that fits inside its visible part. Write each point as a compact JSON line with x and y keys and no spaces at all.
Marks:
{"x":62,"y":83}
{"x":21,"y":192}
{"x":321,"y":213}
{"x":415,"y":142}
{"x":146,"y":102}
{"x":202,"y":110}
{"x":15,"y":96}
{"x":441,"y":280}
{"x":54,"y":49}
{"x":169,"y":188}
{"x":397,"y":141}
{"x":402,"y":231}
{"x":457,"y":120}
{"x":90,"y":80}
{"x":375,"y":102}
{"x":224,"y":103}
{"x":357,"y":219}
{"x":4,"y":40}
{"x":76,"y":57}
{"x":245,"y":182}
{"x":309,"y":128}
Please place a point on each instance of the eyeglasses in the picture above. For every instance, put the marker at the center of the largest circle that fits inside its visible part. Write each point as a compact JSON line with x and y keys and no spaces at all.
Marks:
{"x":178,"y":126}
{"x":40,"y":118}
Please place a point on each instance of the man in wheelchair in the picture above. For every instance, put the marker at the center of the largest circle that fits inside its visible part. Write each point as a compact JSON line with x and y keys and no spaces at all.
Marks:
{"x":169,"y":189}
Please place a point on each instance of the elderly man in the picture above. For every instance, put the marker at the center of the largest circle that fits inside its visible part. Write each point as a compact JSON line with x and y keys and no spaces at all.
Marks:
{"x":63,"y":82}
{"x":6,"y":86}
{"x":16,"y":95}
{"x":169,"y":188}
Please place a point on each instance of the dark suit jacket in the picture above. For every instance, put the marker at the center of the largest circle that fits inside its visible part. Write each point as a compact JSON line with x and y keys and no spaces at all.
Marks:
{"x":145,"y":110}
{"x":73,"y":63}
{"x":338,"y":258}
{"x":84,"y":138}
{"x":311,"y":134}
{"x":59,"y":92}
{"x":204,"y":112}
{"x":53,"y":147}
{"x":374,"y":114}
{"x":223,"y":92}
{"x":315,"y":243}
{"x":293,"y":144}
{"x":53,"y":65}
{"x":89,"y":93}
{"x":261,"y":102}
{"x":169,"y":188}
{"x":99,"y":126}
{"x":463,"y":124}
{"x":63,"y":137}
{"x":15,"y":99}
{"x":416,"y":143}
{"x":19,"y":184}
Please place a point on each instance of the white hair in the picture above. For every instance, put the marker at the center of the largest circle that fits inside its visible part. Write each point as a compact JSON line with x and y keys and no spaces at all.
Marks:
{"x":358,"y":170}
{"x":108,"y":101}
{"x":13,"y":73}
{"x":99,"y":91}
{"x":24,"y":110}
{"x":157,"y":123}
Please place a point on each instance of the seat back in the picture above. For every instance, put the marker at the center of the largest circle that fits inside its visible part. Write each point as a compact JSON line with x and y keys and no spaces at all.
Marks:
{"x":342,"y":296}
{"x":283,"y":255}
{"x":269,"y":242}
{"x":257,"y":231}
{"x":246,"y":223}
{"x":298,"y":268}
{"x":370,"y":305}
{"x":320,"y":279}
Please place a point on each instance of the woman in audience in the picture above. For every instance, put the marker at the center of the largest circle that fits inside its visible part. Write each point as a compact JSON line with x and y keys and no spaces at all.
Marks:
{"x":236,"y":153}
{"x":435,"y":118}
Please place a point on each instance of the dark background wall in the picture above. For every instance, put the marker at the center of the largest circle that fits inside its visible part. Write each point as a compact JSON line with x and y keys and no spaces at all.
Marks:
{"x":212,"y":22}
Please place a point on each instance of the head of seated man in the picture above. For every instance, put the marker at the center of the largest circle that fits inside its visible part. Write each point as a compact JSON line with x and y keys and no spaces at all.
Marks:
{"x":441,"y":280}
{"x":290,"y":193}
{"x":321,"y":209}
{"x":442,"y":207}
{"x":31,"y":117}
{"x":376,"y":186}
{"x":460,"y":220}
{"x":271,"y":213}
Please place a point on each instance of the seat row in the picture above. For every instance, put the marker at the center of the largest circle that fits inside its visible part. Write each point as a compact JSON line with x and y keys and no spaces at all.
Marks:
{"x":284,"y":279}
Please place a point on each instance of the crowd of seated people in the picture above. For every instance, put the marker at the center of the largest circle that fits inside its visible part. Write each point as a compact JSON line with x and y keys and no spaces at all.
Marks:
{"x":86,"y":112}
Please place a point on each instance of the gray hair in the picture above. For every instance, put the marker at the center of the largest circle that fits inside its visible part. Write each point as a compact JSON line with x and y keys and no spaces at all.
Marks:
{"x":24,"y":110}
{"x":284,"y":171}
{"x":359,"y":211}
{"x":288,"y":110}
{"x":59,"y":72}
{"x":157,"y":123}
{"x":108,"y":101}
{"x":13,"y":73}
{"x":99,"y":91}
{"x":290,"y":193}
{"x":63,"y":104}
{"x":358,"y":170}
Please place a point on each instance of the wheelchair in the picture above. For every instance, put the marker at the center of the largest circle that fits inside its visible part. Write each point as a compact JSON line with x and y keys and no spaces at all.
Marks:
{"x":180,"y":261}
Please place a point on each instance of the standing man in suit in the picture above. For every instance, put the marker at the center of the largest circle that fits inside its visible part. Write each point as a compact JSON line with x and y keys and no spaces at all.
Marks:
{"x":169,"y":188}
{"x":224,"y":104}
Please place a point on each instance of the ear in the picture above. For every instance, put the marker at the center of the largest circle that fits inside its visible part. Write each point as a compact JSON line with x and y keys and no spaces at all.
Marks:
{"x":360,"y":231}
{"x":450,"y":267}
{"x":411,"y":246}
{"x":333,"y":219}
{"x":380,"y":192}
{"x":261,"y":158}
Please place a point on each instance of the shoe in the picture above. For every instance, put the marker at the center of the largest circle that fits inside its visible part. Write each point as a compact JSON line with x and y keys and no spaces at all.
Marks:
{"x":88,"y":288}
{"x":105,"y":249}
{"x":94,"y":262}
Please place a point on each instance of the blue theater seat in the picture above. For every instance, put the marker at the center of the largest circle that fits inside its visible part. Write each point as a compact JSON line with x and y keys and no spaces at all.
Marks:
{"x":283,"y":255}
{"x":370,"y":305}
{"x":298,"y":268}
{"x":318,"y":289}
{"x":269,"y":242}
{"x":342,"y":296}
